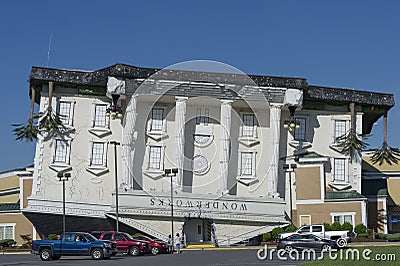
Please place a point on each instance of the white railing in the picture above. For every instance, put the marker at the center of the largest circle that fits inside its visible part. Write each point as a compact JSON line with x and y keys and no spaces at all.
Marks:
{"x":141,"y":227}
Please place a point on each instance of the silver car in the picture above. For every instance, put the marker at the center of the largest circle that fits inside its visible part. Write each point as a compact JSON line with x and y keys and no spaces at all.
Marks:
{"x":306,"y":241}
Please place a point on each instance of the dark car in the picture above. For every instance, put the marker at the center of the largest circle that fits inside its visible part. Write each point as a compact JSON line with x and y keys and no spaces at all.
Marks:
{"x":125,"y":242}
{"x":306,"y":241}
{"x":156,"y":246}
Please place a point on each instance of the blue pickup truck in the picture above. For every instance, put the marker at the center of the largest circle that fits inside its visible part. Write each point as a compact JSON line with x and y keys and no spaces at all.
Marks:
{"x":74,"y":244}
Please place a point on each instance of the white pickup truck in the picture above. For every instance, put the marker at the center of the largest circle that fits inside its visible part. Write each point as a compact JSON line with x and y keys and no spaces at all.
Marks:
{"x":341,"y":237}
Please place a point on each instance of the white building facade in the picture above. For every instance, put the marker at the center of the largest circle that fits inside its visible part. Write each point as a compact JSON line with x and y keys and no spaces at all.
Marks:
{"x":224,"y":133}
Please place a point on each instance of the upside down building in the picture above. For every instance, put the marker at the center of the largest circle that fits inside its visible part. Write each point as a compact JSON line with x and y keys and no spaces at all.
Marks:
{"x":251,"y":152}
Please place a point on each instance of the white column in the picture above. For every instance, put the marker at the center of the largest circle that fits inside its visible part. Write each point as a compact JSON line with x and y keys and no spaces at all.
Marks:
{"x":128,"y":143}
{"x":180,"y":113}
{"x":275,"y":122}
{"x":225,"y":141}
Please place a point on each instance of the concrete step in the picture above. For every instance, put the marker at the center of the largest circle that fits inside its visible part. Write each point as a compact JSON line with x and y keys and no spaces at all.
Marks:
{"x":199,"y":246}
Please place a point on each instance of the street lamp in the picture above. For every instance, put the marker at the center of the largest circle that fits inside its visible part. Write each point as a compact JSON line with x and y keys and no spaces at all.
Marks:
{"x":291,"y":123}
{"x":63,"y":177}
{"x":171,"y":173}
{"x":287,"y":168}
{"x":115,"y":143}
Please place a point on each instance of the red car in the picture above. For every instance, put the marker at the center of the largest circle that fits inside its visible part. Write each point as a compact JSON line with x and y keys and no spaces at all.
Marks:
{"x":156,"y":246}
{"x":125,"y":242}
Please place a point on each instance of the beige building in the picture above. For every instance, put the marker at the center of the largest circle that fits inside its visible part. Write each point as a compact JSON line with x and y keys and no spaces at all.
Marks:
{"x":381,"y":185}
{"x":244,"y":166}
{"x":15,"y":188}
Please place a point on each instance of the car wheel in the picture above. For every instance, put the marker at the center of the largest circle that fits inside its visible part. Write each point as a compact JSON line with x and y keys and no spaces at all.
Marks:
{"x":341,"y":242}
{"x":288,"y":248}
{"x":155,"y":250}
{"x":325,"y":248}
{"x":134,"y":251}
{"x":45,"y":254}
{"x":97,"y":254}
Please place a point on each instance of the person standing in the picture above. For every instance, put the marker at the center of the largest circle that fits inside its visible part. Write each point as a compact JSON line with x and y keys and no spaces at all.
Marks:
{"x":178,"y":243}
{"x":171,"y":244}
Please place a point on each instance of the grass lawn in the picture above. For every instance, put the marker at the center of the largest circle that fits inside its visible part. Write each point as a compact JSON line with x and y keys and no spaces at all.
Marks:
{"x":378,"y":256}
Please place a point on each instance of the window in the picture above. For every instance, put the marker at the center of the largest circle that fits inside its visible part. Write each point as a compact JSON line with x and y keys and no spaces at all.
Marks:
{"x":198,"y":116}
{"x":100,"y":115}
{"x":107,"y":237}
{"x":206,"y":116}
{"x":61,"y":151}
{"x":6,"y":231}
{"x":305,"y":220}
{"x":202,"y":119}
{"x":97,"y":158}
{"x":246,"y":163}
{"x":248,"y":125}
{"x":157,"y":119}
{"x":64,"y":110}
{"x":343,"y":218}
{"x":340,"y":128}
{"x":300,"y":133}
{"x":118,"y":237}
{"x":305,"y":229}
{"x":155,"y":157}
{"x":317,"y":228}
{"x":339,"y":169}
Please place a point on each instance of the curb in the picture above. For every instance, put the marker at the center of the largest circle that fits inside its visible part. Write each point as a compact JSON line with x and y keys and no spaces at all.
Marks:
{"x":16,"y":253}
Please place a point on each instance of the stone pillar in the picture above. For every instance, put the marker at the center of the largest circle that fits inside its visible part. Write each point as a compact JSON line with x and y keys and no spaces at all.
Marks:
{"x":225,"y":141}
{"x":275,"y":122}
{"x":180,"y":113}
{"x":128,"y":143}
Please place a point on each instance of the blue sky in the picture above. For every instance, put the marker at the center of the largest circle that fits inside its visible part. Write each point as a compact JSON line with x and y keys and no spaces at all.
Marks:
{"x":350,"y":44}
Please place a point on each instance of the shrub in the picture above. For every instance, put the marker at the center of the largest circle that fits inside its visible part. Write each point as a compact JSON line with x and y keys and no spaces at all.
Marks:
{"x":137,"y":234}
{"x":327,"y":227}
{"x":393,"y":237}
{"x":52,"y":237}
{"x":266,"y":237}
{"x":25,"y":245}
{"x":381,"y":236}
{"x":276,"y":231}
{"x":336,"y":226}
{"x":362,"y":235}
{"x":369,"y":232}
{"x":4,"y":242}
{"x":347,"y":227}
{"x":360,"y":229}
{"x":290,"y":228}
{"x":11,"y":243}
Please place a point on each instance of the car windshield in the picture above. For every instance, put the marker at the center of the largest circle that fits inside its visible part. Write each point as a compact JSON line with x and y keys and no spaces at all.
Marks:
{"x":89,"y":237}
{"x":127,"y":236}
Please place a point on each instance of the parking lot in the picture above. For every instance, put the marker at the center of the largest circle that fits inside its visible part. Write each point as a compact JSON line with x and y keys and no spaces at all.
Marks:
{"x":192,"y":258}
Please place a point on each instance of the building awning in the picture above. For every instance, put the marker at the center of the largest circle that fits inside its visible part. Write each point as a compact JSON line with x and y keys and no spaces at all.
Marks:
{"x":4,"y":207}
{"x":336,"y":195}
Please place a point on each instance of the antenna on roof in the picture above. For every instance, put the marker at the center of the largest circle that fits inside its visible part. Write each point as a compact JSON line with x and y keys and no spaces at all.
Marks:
{"x":48,"y":51}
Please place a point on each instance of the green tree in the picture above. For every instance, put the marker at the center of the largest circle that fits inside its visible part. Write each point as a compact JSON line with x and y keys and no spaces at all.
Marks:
{"x":336,"y":226}
{"x":385,"y":153}
{"x":276,"y":231}
{"x":360,"y":229}
{"x":347,"y":226}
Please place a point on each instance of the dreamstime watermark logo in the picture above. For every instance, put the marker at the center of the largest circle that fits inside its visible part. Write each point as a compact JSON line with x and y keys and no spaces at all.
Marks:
{"x":350,"y":254}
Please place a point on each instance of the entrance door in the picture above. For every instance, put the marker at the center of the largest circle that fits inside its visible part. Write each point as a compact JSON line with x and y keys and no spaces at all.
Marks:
{"x":197,"y":230}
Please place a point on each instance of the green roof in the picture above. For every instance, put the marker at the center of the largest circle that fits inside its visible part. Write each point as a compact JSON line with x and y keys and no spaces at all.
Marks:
{"x":9,"y":206}
{"x":352,"y":194}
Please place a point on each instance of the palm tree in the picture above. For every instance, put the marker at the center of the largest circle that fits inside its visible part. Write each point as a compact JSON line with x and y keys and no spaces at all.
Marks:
{"x":351,"y":143}
{"x":385,"y":153}
{"x":50,"y":120}
{"x":29,"y":131}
